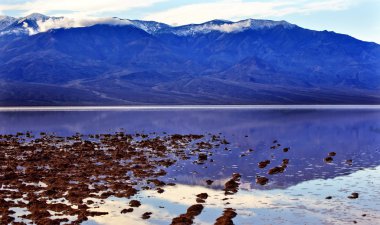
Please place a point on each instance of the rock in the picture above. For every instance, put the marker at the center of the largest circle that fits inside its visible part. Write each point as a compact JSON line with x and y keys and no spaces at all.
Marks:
{"x":209,"y":182}
{"x":328,"y":159}
{"x":124,"y":211}
{"x":146,"y":215}
{"x":225,"y":142}
{"x":157,"y":182}
{"x":89,"y":202}
{"x":182,"y":220}
{"x":188,"y":217}
{"x":78,"y":167}
{"x":354,"y":195}
{"x":134,"y":203}
{"x":231,"y":186}
{"x":226,"y":218}
{"x":285,"y":149}
{"x":202,"y":156}
{"x":263,"y":164}
{"x":199,"y":200}
{"x":262,"y":180}
{"x":332,"y":154}
{"x":202,"y":195}
{"x":195,"y":210}
{"x":275,"y":170}
{"x":236,"y":176}
{"x":328,"y":197}
{"x":285,"y":161}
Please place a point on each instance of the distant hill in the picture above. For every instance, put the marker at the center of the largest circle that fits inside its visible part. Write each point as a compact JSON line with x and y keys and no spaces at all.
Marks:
{"x":46,"y":61}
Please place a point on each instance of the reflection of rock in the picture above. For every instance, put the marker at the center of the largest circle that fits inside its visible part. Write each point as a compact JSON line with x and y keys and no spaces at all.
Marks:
{"x":332,"y":153}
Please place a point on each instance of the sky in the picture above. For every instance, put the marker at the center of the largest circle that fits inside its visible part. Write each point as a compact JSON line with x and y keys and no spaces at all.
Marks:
{"x":357,"y":18}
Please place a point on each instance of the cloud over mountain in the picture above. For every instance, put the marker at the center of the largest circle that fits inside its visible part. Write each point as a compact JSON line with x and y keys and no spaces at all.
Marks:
{"x":64,"y":22}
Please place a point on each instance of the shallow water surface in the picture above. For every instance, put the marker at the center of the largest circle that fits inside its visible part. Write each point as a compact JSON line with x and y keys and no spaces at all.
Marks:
{"x":296,"y":196}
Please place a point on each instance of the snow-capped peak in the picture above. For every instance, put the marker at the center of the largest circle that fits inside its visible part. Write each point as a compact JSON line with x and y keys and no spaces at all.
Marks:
{"x":36,"y":16}
{"x":228,"y":26}
{"x":5,"y":21}
{"x":3,"y":18}
{"x":258,"y":24}
{"x":149,"y":26}
{"x":33,"y":18}
{"x":36,"y":23}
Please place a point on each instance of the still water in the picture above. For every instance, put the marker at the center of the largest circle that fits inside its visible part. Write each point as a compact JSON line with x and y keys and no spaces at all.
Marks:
{"x":297,"y":196}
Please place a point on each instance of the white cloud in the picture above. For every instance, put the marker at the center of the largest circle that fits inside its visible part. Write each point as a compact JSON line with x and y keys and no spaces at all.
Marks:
{"x":233,"y":27}
{"x":54,"y":23}
{"x":239,"y":9}
{"x":84,"y":7}
{"x":30,"y":30}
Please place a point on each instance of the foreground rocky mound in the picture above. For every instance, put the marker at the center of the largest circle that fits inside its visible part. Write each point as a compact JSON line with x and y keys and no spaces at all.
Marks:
{"x":54,"y":176}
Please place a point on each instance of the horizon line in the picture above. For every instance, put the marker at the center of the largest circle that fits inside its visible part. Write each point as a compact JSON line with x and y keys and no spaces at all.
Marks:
{"x":177,"y":107}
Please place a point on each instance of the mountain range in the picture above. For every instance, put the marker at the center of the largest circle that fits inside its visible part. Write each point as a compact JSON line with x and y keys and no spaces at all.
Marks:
{"x":62,"y":61}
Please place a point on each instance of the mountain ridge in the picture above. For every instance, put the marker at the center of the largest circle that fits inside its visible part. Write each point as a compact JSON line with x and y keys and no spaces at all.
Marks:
{"x":217,"y":62}
{"x":160,"y":26}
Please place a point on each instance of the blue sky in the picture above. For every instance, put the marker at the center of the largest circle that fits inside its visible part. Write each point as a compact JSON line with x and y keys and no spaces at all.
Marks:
{"x":358,"y":18}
